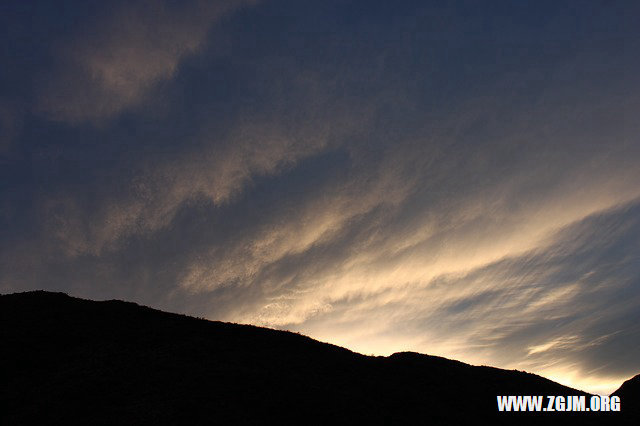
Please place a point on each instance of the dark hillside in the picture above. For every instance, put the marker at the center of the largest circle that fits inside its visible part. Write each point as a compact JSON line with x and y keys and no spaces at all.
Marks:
{"x":70,"y":361}
{"x":629,"y":392}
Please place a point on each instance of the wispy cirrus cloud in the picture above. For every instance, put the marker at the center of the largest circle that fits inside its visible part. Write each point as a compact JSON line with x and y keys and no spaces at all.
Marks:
{"x":114,"y":63}
{"x":563,"y":309}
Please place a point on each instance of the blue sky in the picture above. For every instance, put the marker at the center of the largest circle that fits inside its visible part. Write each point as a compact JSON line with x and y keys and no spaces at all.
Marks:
{"x":455,"y":178}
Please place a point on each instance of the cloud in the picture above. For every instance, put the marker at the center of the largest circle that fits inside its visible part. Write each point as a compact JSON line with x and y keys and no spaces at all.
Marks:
{"x":217,"y":166}
{"x":317,"y":221}
{"x":112,"y":65}
{"x":564,"y":309}
{"x":444,"y":221}
{"x":366,"y":184}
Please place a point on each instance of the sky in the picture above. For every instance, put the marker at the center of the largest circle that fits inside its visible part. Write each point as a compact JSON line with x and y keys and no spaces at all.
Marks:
{"x":454,"y":178}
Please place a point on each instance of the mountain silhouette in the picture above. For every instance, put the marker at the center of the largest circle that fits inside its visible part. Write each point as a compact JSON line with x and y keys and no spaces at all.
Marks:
{"x":66,"y":360}
{"x":630,"y":392}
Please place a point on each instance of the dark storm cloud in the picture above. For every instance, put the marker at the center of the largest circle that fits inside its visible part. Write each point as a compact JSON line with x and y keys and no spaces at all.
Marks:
{"x":456,"y":179}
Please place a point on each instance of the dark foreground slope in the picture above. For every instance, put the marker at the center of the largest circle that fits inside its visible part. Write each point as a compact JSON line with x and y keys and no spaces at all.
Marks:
{"x":71,"y":361}
{"x":630,"y":392}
